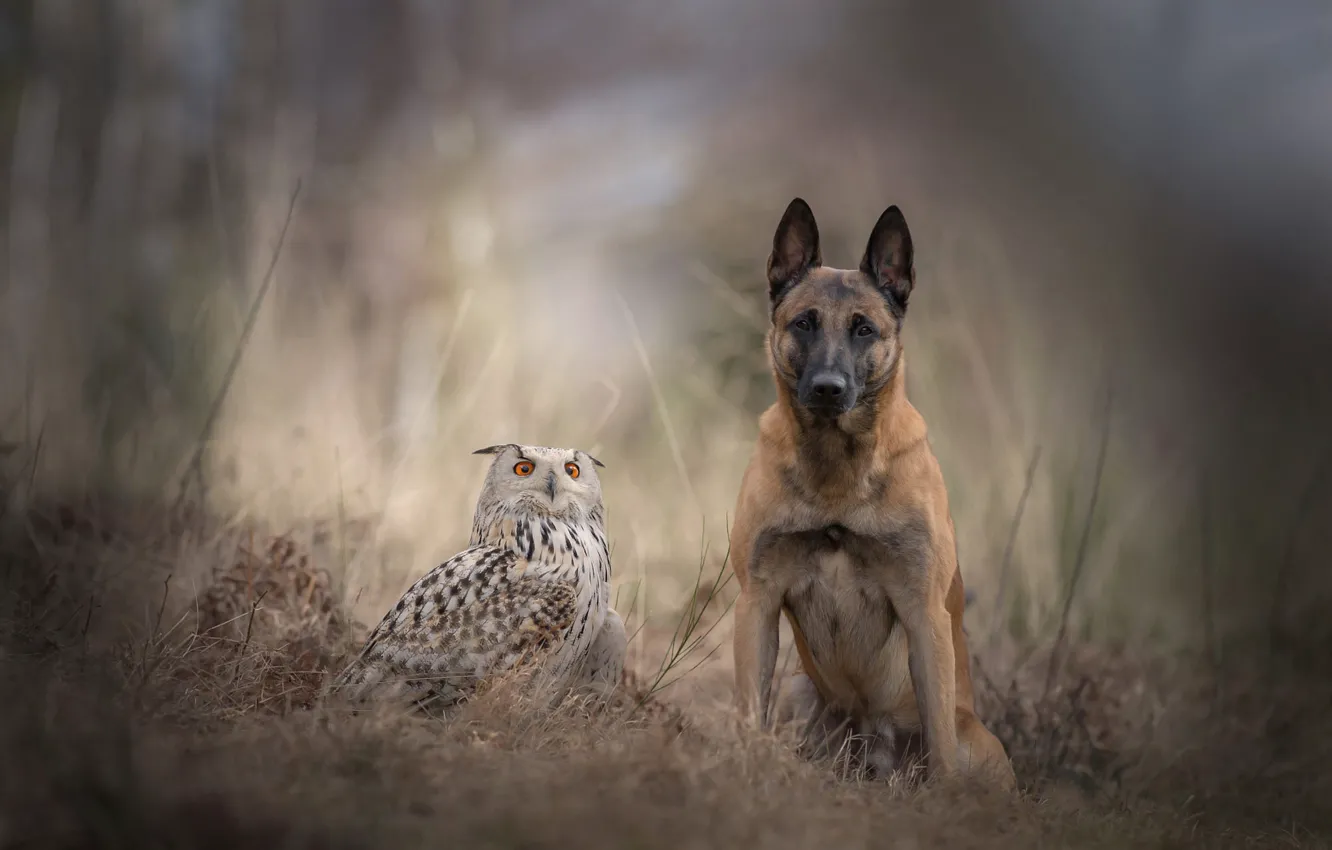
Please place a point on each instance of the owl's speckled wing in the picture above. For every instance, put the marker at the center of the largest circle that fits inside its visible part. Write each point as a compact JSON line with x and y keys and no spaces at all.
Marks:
{"x":479,"y":613}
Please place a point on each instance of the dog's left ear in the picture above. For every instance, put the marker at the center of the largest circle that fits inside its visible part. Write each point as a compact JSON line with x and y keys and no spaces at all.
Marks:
{"x":888,"y":257}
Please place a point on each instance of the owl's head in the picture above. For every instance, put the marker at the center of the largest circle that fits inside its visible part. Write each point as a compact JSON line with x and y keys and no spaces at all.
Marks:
{"x":553,"y":482}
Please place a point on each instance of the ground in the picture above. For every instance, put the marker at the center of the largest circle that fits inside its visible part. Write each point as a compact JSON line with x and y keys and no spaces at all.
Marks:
{"x":203,"y":728}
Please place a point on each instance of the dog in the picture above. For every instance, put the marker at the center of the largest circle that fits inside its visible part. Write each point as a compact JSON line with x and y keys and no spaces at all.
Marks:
{"x":842,"y":520}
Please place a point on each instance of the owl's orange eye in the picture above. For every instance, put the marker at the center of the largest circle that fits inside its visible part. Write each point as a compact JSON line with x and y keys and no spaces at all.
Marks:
{"x":523,"y":468}
{"x":572,"y":469}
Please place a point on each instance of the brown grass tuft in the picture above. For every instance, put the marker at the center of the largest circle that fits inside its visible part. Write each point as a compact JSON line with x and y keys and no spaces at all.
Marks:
{"x":204,"y":728}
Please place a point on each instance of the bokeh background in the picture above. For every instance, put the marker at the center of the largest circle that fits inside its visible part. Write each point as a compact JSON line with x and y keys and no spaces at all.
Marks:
{"x":546,"y":222}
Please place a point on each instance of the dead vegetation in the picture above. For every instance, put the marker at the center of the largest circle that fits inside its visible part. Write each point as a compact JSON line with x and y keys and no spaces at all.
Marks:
{"x":161,"y":670}
{"x":200,"y":726}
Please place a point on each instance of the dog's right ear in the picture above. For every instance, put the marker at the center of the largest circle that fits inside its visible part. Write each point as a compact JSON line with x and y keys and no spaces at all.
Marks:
{"x":795,"y":250}
{"x":889,"y":257}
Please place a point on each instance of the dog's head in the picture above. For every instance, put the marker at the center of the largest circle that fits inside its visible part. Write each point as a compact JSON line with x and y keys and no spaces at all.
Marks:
{"x":835,"y":337}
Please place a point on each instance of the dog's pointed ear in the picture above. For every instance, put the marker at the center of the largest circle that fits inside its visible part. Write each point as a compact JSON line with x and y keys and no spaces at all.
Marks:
{"x":494,"y":450}
{"x":795,"y":250}
{"x":889,"y":258}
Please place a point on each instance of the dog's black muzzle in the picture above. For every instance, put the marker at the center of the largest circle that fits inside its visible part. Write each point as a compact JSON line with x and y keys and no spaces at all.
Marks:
{"x":827,"y":393}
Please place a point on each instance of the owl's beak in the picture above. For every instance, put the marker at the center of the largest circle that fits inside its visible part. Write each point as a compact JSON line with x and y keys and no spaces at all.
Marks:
{"x":550,"y":485}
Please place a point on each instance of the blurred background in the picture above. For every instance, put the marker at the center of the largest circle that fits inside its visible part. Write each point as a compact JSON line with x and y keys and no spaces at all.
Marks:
{"x":547,"y":222}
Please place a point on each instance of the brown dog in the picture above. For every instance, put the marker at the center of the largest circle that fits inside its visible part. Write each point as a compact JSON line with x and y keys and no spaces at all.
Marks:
{"x":842,"y":519}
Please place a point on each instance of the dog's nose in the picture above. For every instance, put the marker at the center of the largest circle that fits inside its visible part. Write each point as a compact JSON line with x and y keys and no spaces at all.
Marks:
{"x":827,"y":388}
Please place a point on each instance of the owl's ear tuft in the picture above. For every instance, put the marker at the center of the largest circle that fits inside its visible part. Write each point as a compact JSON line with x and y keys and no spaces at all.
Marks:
{"x":494,"y":450}
{"x":595,"y":461}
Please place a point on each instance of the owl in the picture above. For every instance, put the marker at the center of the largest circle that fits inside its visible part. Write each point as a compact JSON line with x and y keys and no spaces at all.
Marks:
{"x":532,"y":585}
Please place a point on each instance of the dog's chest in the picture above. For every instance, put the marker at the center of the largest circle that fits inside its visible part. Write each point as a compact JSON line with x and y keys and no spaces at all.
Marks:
{"x":840,"y":601}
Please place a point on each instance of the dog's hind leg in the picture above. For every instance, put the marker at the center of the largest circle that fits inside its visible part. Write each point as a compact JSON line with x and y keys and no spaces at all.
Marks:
{"x":822,"y":729}
{"x":980,"y":752}
{"x":881,"y":747}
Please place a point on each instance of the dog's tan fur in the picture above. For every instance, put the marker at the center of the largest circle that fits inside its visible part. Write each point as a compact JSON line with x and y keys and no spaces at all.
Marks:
{"x":844,"y":525}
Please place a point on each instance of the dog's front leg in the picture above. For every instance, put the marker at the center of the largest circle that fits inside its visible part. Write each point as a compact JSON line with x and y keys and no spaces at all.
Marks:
{"x":757,"y":613}
{"x":930,"y":661}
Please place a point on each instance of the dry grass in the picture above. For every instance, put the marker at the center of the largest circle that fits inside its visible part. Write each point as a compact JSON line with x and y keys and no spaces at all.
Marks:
{"x":197,"y":723}
{"x":446,"y":281}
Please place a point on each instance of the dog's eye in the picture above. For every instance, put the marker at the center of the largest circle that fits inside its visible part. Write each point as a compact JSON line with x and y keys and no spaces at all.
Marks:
{"x":865,"y":330}
{"x":802,"y":324}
